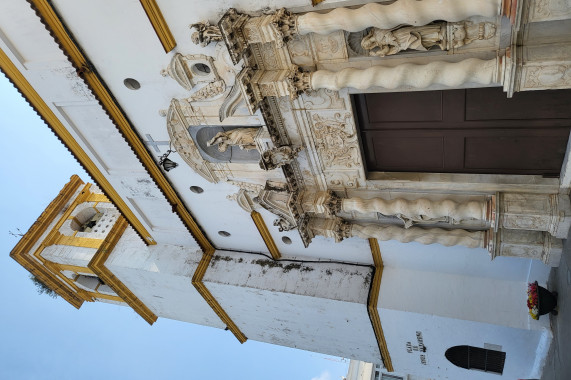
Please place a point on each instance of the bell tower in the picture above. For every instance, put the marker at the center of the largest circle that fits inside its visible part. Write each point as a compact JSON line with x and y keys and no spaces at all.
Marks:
{"x":59,"y":247}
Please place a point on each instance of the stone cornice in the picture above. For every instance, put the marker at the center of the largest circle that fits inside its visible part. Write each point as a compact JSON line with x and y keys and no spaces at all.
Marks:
{"x":372,"y":304}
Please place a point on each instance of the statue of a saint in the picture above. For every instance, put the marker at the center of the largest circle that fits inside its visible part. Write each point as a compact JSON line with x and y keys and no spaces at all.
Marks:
{"x":205,"y":33}
{"x":382,"y":42}
{"x":241,"y":137}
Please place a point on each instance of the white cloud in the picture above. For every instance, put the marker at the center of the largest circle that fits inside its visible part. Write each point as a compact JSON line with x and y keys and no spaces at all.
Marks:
{"x":324,"y":376}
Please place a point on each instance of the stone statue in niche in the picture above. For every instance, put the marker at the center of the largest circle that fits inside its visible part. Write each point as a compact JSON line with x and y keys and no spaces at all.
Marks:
{"x":382,"y":42}
{"x":241,"y":137}
{"x":205,"y":33}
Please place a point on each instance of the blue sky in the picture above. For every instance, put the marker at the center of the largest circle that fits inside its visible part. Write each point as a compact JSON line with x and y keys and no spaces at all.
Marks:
{"x":45,"y":338}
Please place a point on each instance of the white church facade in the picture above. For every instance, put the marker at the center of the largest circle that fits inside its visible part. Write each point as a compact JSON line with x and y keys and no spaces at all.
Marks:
{"x":372,"y":180}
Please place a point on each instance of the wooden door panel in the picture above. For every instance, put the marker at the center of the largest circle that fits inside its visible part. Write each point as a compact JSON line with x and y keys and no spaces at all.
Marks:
{"x":465,"y":131}
{"x":491,"y":104}
{"x":397,"y":107}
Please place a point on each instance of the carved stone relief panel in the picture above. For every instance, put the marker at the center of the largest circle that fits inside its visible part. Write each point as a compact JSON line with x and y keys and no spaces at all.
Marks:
{"x":335,"y":139}
{"x":549,"y":52}
{"x":340,"y":180}
{"x":546,"y":10}
{"x":300,"y":51}
{"x":329,"y":47}
{"x":323,"y":99}
{"x":544,"y":77}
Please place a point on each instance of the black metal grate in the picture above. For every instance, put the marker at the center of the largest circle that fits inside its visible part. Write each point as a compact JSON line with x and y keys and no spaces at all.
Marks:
{"x":477,"y":358}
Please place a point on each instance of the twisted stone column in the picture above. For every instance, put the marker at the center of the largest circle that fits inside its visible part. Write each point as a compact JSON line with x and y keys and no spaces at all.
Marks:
{"x":422,"y":210}
{"x":340,"y":229}
{"x":409,"y":12}
{"x":450,"y":74}
{"x":448,"y":238}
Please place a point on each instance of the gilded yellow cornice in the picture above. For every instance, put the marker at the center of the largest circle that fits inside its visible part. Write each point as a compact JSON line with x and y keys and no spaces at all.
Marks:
{"x":43,"y":110}
{"x":265,"y":233}
{"x":159,"y":24}
{"x":209,"y":298}
{"x":85,"y":69}
{"x":372,"y":304}
{"x":97,"y":265}
{"x":21,"y":252}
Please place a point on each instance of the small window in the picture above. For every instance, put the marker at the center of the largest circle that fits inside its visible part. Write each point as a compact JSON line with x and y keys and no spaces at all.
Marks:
{"x":470,"y":357}
{"x":201,"y":69}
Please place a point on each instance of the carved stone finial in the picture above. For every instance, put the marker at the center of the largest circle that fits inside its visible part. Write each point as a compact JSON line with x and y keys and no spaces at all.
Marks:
{"x":298,"y":82}
{"x":277,"y":157}
{"x":205,"y":33}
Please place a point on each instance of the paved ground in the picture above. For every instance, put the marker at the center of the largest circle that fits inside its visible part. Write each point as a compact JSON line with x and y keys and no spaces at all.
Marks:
{"x":558,"y":365}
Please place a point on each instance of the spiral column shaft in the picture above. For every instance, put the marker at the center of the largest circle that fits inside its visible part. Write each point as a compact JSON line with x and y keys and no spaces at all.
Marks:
{"x":448,"y":238}
{"x":450,"y":74}
{"x":409,"y":12}
{"x":419,"y":210}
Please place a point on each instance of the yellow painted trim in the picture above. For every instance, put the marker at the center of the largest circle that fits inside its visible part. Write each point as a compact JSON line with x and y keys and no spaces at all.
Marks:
{"x":372,"y":304}
{"x":159,"y":24}
{"x":54,"y":24}
{"x":54,"y":233}
{"x":97,"y":198}
{"x":77,"y":241}
{"x":97,"y":265}
{"x":106,"y":296}
{"x":21,"y":252}
{"x":73,"y":268}
{"x":58,"y":31}
{"x":265,"y":233}
{"x":26,"y":89}
{"x":205,"y":293}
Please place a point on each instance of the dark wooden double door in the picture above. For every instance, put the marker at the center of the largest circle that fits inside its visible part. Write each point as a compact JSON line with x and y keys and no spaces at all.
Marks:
{"x":465,"y":131}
